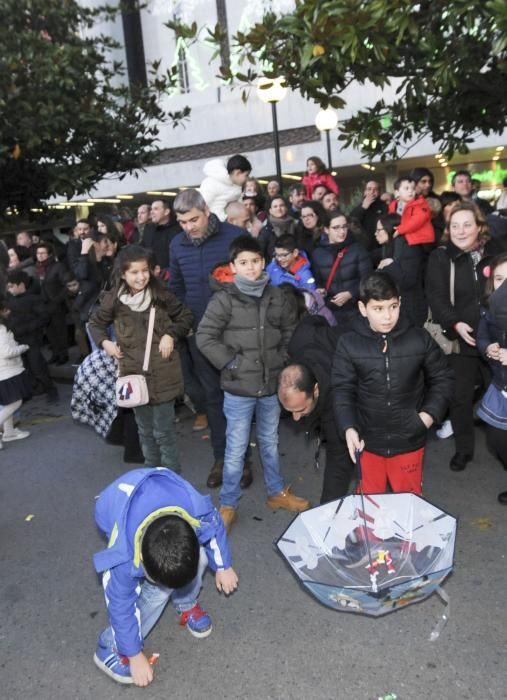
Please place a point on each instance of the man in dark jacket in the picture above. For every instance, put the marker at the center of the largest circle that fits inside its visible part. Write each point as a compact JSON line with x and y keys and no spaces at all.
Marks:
{"x":304,"y":390}
{"x":203,"y":243}
{"x":368,"y":212}
{"x":51,"y":275}
{"x":159,"y":233}
{"x":391,"y":382}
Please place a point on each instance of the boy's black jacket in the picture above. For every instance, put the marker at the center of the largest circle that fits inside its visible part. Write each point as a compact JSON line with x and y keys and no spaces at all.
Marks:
{"x":381,"y":382}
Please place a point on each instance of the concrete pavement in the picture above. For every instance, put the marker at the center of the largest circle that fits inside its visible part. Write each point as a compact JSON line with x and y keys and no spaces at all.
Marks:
{"x":270,"y":640}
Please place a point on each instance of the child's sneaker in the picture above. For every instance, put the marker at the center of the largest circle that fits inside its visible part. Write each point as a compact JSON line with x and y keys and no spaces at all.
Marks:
{"x":445,"y":431}
{"x":113,"y":664}
{"x":197,"y":621}
{"x":16,"y":434}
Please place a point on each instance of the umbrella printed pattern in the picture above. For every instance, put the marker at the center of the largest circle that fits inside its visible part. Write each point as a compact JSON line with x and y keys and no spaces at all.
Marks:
{"x":371,"y":554}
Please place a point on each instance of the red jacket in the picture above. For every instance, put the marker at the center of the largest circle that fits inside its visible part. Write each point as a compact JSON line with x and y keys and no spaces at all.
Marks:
{"x":416,"y":223}
{"x":311,"y":182}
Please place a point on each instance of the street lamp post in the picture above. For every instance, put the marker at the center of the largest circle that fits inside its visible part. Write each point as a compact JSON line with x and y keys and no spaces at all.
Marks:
{"x":326,"y":120}
{"x":271,"y":91}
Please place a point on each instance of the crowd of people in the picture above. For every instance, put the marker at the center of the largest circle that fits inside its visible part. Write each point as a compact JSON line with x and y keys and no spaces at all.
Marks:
{"x":245,"y":303}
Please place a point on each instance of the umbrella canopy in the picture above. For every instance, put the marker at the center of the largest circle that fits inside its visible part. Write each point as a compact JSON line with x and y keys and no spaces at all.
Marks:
{"x":371,"y":554}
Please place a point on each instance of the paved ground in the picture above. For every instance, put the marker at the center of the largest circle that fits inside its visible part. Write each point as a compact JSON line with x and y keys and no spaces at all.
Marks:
{"x":271,"y":639}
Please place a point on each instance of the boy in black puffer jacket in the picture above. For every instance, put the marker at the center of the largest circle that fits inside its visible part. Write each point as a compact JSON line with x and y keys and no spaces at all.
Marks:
{"x":391,"y":382}
{"x":244,"y":333}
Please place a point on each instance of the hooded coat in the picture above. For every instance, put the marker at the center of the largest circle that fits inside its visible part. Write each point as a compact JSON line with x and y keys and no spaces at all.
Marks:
{"x":248,"y":332}
{"x":382,"y":381}
{"x":217,"y":188}
{"x":123,"y":512}
{"x":415,"y":223}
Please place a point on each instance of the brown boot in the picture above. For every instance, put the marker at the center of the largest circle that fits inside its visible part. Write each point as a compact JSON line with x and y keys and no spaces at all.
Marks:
{"x":247,"y":477}
{"x":286,"y":499}
{"x":215,"y":475}
{"x":200,"y":422}
{"x":229,"y":516}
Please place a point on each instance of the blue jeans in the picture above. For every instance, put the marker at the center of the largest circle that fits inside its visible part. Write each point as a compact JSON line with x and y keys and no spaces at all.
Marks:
{"x":157,"y":436}
{"x":154,"y":598}
{"x":239,"y":412}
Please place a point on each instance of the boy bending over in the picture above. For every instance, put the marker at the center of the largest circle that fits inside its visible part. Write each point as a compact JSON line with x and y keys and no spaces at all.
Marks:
{"x":162,"y":536}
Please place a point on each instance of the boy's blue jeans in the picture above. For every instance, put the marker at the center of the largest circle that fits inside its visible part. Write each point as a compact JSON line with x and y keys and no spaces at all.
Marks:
{"x":239,"y":411}
{"x":154,"y":598}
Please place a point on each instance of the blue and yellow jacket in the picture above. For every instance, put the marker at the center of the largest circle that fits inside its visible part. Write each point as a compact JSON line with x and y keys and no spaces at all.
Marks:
{"x":123,"y":511}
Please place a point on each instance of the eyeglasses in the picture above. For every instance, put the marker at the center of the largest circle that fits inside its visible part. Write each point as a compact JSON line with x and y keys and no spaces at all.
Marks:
{"x":308,"y":216}
{"x":282,"y":255}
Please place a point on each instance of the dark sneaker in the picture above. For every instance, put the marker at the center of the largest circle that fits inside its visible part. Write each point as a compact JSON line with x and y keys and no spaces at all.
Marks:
{"x":197,"y":622}
{"x":113,"y":664}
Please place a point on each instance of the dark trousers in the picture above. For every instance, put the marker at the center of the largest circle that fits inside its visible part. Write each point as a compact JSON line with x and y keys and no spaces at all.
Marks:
{"x":209,"y":378}
{"x":497,"y":442}
{"x":338,"y":471}
{"x":193,"y":386}
{"x":468,"y":372}
{"x":56,"y":332}
{"x":37,"y":368}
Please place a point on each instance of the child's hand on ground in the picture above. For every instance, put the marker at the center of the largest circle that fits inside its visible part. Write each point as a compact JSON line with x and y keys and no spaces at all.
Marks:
{"x":354,"y":443}
{"x":112,"y":349}
{"x":493,"y":351}
{"x":140,"y":670}
{"x":226,"y":580}
{"x":166,"y":346}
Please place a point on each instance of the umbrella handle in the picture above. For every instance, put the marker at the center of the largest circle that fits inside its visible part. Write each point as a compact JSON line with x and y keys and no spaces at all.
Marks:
{"x":357,"y":455}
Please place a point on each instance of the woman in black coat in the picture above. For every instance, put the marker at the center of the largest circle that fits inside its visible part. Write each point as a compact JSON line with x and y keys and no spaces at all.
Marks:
{"x":352,"y":263}
{"x":469,"y":248}
{"x":405,"y":264}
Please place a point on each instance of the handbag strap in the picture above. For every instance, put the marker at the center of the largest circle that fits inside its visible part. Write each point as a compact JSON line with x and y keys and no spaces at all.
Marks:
{"x":337,"y":261}
{"x":149,"y":338}
{"x":452,"y":278}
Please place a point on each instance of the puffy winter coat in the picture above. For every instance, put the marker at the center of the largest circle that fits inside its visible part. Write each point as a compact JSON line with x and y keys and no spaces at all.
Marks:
{"x":312,"y":180}
{"x":354,"y":265}
{"x":249,"y":333}
{"x":382,"y":381}
{"x":217,"y":188}
{"x":164,"y":377}
{"x":493,"y":329}
{"x":11,"y":363}
{"x":415,"y":223}
{"x":191,"y":266}
{"x":28,"y":318}
{"x":299,"y":274}
{"x":468,"y":288}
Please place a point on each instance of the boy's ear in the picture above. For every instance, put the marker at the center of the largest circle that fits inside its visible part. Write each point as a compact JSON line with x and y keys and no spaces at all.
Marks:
{"x":232,"y":267}
{"x":362,"y":308}
{"x":296,"y":252}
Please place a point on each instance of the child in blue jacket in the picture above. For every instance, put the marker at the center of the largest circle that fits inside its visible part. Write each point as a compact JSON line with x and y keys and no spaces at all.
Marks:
{"x":290,"y":265}
{"x":162,"y":534}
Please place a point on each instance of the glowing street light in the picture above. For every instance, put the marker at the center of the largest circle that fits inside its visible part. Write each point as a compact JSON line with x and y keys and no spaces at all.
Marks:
{"x":327,"y":120}
{"x":271,"y":91}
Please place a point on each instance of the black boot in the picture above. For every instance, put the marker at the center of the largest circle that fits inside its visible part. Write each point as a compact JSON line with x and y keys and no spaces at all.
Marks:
{"x":460,"y":461}
{"x":502,"y":498}
{"x":133,"y":453}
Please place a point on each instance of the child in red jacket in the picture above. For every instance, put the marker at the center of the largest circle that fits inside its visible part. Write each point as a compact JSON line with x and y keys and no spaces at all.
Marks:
{"x":415,"y":213}
{"x":317,"y":174}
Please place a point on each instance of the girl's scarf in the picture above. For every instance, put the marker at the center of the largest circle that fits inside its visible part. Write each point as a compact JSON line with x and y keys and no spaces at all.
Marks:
{"x":253,"y":288}
{"x":137,"y":302}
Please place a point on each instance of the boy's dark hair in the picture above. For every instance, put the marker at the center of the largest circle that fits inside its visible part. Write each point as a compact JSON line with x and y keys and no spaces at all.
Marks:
{"x":18,"y":277}
{"x":239,"y":163}
{"x":244,"y":244}
{"x":287,"y":242}
{"x":461,"y":172}
{"x":378,"y":286}
{"x":404,"y":178}
{"x":170,"y":551}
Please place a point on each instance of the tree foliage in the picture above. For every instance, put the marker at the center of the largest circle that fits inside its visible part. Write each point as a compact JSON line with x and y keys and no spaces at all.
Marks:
{"x":66,"y":116}
{"x":449,"y":56}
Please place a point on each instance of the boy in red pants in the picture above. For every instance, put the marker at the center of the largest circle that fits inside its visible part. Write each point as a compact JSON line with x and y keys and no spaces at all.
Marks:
{"x":391,"y":382}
